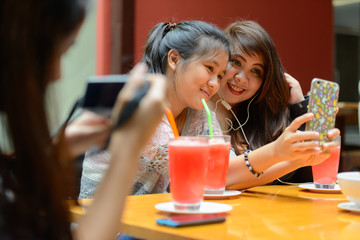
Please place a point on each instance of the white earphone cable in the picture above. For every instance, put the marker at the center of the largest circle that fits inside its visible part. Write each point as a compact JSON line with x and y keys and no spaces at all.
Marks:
{"x":230,"y":123}
{"x":228,"y":120}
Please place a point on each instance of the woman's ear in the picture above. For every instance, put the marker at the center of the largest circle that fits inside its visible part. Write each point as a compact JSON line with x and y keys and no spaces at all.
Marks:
{"x":173,"y":59}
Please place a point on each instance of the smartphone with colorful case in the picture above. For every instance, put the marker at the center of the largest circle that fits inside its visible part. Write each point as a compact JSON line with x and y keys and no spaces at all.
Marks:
{"x":322,"y":102}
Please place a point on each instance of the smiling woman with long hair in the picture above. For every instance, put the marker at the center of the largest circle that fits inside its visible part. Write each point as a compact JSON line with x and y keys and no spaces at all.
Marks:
{"x":253,"y":106}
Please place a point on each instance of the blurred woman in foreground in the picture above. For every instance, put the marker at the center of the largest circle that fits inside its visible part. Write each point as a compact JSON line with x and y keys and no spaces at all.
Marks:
{"x":33,"y":189}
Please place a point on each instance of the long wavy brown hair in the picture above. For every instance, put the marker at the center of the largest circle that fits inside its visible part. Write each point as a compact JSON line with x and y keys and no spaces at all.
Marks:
{"x":269,"y":113}
{"x":31,"y":33}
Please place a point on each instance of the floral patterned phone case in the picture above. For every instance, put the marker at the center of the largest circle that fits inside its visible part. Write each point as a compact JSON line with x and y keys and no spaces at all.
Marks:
{"x":322,"y":102}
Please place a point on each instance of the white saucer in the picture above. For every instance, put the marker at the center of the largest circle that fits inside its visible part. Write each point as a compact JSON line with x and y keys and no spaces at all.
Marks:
{"x":311,"y":187}
{"x":349,"y":206}
{"x":226,"y":194}
{"x":205,"y":207}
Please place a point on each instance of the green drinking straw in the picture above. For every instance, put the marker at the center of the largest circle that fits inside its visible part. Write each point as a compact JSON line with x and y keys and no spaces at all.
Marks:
{"x":211,"y":133}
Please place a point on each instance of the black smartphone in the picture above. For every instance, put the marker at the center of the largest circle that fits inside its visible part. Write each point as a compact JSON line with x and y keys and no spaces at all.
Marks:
{"x":101,"y":94}
{"x":102,"y":91}
{"x":191,"y":219}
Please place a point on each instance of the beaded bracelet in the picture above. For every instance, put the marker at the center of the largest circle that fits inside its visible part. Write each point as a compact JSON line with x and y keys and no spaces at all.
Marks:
{"x":248,"y":165}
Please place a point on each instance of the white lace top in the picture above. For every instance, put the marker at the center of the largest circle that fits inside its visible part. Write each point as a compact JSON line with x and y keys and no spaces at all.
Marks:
{"x":153,"y":173}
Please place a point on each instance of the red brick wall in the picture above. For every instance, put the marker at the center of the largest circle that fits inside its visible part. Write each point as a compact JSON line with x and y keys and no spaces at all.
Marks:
{"x":301,"y":29}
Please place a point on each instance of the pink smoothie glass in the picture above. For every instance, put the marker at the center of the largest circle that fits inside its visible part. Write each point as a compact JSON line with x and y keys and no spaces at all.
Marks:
{"x":188,"y":158}
{"x":324,"y":173}
{"x":218,"y":164}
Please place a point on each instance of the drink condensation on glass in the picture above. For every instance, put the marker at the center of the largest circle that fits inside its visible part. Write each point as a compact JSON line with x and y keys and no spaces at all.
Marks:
{"x":218,"y":164}
{"x":188,"y":157}
{"x":324,"y":173}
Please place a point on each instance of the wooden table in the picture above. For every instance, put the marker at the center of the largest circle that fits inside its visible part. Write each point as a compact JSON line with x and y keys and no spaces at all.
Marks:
{"x":265,"y":212}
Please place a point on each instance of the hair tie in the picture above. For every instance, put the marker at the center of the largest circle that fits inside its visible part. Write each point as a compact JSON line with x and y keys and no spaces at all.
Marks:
{"x":169,"y":27}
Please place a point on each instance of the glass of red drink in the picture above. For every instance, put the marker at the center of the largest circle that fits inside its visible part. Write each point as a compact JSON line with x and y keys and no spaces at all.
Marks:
{"x":218,"y":163}
{"x":324,"y":173}
{"x":188,"y":158}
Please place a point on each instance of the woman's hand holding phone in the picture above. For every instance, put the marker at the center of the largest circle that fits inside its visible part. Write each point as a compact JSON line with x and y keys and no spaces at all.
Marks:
{"x":302,"y":147}
{"x":151,"y":108}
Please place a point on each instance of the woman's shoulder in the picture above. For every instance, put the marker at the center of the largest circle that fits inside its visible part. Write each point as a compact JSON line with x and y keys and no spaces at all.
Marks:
{"x":161,"y":137}
{"x":197,"y":123}
{"x":199,"y":116}
{"x":195,"y":120}
{"x":162,"y":133}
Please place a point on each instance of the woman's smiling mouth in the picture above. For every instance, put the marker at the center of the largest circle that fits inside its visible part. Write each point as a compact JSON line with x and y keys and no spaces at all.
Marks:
{"x":235,"y":89}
